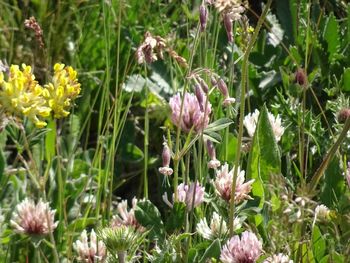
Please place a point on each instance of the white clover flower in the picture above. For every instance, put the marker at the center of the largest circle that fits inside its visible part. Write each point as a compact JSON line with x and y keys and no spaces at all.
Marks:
{"x":322,"y":212}
{"x":278,"y":258}
{"x":251,"y":120}
{"x":90,"y":252}
{"x":217,"y":228}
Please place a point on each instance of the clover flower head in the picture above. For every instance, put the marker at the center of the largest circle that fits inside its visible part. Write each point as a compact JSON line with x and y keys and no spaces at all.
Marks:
{"x":63,"y":89}
{"x":126,"y":217}
{"x":251,"y":120}
{"x":185,"y":194}
{"x":278,"y":258}
{"x":223,"y":184}
{"x":22,"y":96}
{"x":194,"y":115}
{"x":90,"y":252}
{"x":217,"y":227}
{"x":322,"y":212}
{"x":151,"y":49}
{"x":246,"y":249}
{"x":33,"y":219}
{"x":228,"y":6}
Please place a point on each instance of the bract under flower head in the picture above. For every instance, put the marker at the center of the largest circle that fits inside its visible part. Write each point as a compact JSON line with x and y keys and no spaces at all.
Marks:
{"x":21,"y":95}
{"x":62,"y":90}
{"x":193,"y":115}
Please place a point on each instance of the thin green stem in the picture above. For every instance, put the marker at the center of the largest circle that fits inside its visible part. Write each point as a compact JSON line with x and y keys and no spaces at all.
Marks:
{"x":242,"y":107}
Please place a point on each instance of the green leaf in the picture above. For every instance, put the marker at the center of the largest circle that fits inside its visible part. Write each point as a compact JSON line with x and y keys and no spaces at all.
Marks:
{"x":50,"y":141}
{"x":346,"y":80}
{"x":177,"y":217}
{"x":231,"y":149}
{"x":131,"y":153}
{"x":149,"y":216}
{"x":212,"y":136}
{"x":331,"y":36}
{"x":80,"y":224}
{"x":213,"y":251}
{"x":218,"y":125}
{"x":318,"y":243}
{"x":333,"y":187}
{"x":264,"y":157}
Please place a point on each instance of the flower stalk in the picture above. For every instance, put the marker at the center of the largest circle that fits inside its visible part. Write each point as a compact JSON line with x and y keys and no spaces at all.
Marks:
{"x":242,"y":106}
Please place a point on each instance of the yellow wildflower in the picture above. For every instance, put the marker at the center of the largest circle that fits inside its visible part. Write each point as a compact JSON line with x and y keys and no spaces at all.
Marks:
{"x":21,"y":95}
{"x":62,"y":90}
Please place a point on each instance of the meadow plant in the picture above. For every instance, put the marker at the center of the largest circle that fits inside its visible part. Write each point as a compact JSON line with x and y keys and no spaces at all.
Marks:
{"x":238,"y":110}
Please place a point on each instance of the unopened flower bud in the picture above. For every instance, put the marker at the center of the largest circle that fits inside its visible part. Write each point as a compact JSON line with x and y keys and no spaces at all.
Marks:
{"x":199,"y":96}
{"x":300,"y":77}
{"x":211,"y":149}
{"x":166,"y":155}
{"x":213,"y":163}
{"x":214,"y":81}
{"x":343,"y":115}
{"x":228,"y":27}
{"x":204,"y":86}
{"x":222,"y":87}
{"x":203,"y":16}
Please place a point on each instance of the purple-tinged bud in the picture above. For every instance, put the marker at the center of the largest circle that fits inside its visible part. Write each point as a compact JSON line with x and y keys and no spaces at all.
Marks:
{"x":300,"y":77}
{"x":204,"y":86}
{"x":199,"y":96}
{"x":213,"y":163}
{"x":343,"y":115}
{"x":166,"y":155}
{"x":228,"y":27}
{"x":203,"y":16}
{"x":223,"y":88}
{"x":211,"y":149}
{"x":214,"y":81}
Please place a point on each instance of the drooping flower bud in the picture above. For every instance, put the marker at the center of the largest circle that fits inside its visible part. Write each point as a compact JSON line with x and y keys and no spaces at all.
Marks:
{"x":203,"y":16}
{"x":213,"y":163}
{"x":300,"y":77}
{"x":228,"y":27}
{"x":200,"y":97}
{"x":213,"y":81}
{"x":204,"y":86}
{"x":166,"y":155}
{"x":343,"y":115}
{"x":224,"y":91}
{"x":222,"y":87}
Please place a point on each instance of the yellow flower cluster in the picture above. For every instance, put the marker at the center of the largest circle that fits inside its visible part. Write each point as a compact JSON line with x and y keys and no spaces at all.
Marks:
{"x":21,"y":95}
{"x":63,"y":89}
